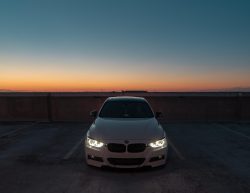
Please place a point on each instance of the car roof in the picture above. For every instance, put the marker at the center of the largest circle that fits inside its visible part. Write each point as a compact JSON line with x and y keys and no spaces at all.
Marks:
{"x":126,"y":98}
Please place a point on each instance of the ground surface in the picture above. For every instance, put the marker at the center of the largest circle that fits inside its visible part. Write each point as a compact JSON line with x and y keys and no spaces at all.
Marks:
{"x":48,"y":157}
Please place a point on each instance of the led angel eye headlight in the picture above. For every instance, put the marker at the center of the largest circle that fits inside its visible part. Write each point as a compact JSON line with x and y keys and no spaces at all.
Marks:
{"x":94,"y":143}
{"x":159,"y":143}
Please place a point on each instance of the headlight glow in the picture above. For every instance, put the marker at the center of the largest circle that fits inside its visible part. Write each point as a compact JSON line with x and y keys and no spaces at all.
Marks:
{"x":94,"y":143}
{"x":159,"y":143}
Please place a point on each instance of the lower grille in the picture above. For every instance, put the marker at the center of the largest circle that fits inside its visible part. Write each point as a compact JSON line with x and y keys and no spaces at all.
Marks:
{"x":126,"y":161}
{"x":116,"y":147}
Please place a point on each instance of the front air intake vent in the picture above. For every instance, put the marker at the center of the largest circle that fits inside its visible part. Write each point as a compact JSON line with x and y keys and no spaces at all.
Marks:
{"x":136,"y":147}
{"x":116,"y":147}
{"x":126,"y":161}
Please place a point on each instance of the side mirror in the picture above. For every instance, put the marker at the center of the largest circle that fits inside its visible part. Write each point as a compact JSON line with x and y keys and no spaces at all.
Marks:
{"x":93,"y":113}
{"x":157,"y":114}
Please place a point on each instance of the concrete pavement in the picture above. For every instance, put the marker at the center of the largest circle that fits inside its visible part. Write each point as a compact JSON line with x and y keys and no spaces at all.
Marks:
{"x":48,"y":157}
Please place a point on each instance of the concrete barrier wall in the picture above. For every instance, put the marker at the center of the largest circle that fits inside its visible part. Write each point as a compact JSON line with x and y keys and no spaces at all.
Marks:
{"x":17,"y":107}
{"x":76,"y":106}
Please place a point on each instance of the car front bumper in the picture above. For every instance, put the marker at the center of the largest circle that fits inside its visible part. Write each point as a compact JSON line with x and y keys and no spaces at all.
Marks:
{"x":103,"y":157}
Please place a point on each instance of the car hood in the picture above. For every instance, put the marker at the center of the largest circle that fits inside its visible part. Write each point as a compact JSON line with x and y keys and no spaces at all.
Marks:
{"x":126,"y":129}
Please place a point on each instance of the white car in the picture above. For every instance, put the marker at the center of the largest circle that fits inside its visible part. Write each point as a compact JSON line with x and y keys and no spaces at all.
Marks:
{"x":126,"y":134}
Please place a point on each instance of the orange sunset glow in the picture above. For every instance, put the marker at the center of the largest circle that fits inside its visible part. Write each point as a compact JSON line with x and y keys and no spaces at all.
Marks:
{"x":19,"y":80}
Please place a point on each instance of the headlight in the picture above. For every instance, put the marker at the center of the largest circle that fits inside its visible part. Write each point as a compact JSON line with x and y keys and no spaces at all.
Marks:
{"x":159,"y":143}
{"x":94,"y":143}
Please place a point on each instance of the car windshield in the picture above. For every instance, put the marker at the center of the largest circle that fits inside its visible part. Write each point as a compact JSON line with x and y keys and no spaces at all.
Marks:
{"x":126,"y":109}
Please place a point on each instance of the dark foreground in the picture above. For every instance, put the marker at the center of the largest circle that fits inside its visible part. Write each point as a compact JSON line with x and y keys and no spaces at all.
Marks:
{"x":48,"y":157}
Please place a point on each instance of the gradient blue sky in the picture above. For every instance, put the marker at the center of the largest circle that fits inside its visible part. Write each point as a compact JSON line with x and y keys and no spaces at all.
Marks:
{"x":112,"y":45}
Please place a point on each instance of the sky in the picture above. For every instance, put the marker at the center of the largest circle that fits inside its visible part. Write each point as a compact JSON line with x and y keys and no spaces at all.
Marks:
{"x":171,"y":45}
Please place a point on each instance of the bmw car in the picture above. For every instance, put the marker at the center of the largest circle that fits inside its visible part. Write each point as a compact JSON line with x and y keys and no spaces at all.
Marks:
{"x":126,"y":134}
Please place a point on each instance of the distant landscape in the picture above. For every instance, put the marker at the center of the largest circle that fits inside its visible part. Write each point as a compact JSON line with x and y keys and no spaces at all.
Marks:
{"x":234,"y":89}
